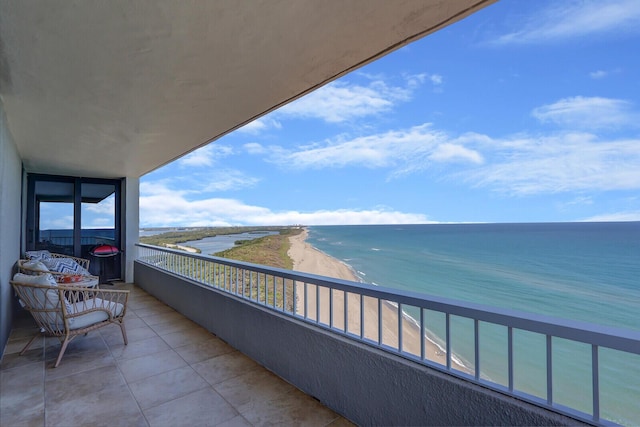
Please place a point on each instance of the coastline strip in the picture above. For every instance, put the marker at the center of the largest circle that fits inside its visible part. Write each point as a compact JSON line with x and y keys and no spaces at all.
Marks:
{"x":308,"y":259}
{"x":181,"y":247}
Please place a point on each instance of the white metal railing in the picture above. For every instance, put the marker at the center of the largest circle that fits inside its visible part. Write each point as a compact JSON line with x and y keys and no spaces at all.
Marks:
{"x":348,"y":308}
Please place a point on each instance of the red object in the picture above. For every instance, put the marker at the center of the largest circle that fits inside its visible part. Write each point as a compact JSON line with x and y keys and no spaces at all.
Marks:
{"x":105,"y":250}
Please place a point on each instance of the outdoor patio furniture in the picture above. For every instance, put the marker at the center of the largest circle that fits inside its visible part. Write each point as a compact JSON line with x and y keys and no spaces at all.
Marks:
{"x":66,"y":312}
{"x":65,"y":269}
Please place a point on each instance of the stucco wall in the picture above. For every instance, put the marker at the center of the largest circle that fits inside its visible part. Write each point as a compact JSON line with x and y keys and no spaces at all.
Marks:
{"x":366,"y":385}
{"x":10,"y":190}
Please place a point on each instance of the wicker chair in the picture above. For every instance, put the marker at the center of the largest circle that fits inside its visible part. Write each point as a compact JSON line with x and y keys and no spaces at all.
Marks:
{"x":24,"y":267}
{"x":66,"y":312}
{"x":39,"y":255}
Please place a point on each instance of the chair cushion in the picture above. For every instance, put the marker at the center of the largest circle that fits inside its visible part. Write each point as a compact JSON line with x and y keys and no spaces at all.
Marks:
{"x":38,"y":255}
{"x":45,"y":298}
{"x":65,"y":265}
{"x":52,"y":299}
{"x":36,"y":265}
{"x":94,"y":317}
{"x":39,"y":279}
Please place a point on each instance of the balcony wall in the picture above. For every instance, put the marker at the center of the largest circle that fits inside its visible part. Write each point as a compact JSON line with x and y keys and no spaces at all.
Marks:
{"x":10,"y":200}
{"x":365,"y":384}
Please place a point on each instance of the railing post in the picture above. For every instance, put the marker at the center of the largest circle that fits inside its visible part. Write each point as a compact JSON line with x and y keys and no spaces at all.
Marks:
{"x":251,"y":285}
{"x":595,"y":378}
{"x":361,"y":316}
{"x":266,"y":290}
{"x":422,"y":338}
{"x":549,"y":372}
{"x":275,"y":291}
{"x":295,"y":298}
{"x":510,"y":356}
{"x":233,"y":280}
{"x":306,"y":301}
{"x":258,"y":290}
{"x":476,"y":339}
{"x":284,"y":295}
{"x":331,"y":308}
{"x":448,"y":339}
{"x":317,"y":304}
{"x":346,"y":312}
{"x":399,"y":327}
{"x":379,"y":321}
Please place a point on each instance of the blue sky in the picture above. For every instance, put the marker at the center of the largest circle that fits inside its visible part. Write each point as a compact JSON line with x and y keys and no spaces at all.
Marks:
{"x":523,"y":112}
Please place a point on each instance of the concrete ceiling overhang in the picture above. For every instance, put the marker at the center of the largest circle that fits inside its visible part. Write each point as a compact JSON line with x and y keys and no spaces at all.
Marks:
{"x":119,"y":88}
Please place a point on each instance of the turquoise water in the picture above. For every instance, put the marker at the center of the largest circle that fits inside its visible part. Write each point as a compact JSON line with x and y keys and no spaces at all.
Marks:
{"x":583,"y":271}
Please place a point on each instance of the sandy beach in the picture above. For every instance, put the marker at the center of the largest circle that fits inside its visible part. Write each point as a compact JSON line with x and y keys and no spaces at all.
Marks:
{"x":184,"y":248}
{"x":309,"y":260}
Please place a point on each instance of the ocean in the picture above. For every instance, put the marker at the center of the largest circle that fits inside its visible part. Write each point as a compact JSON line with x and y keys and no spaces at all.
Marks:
{"x":582,"y":271}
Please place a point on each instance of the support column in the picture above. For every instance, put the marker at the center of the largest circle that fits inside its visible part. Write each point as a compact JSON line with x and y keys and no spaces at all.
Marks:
{"x":131,"y":226}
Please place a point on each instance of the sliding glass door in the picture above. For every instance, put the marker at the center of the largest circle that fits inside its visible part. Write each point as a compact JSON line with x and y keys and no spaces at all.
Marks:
{"x":73,"y":216}
{"x":97,"y":215}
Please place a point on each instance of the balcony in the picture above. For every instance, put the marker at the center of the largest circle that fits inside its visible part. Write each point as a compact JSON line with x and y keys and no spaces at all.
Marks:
{"x":116,"y":133}
{"x":213,"y":341}
{"x":173,"y":372}
{"x":356,"y":348}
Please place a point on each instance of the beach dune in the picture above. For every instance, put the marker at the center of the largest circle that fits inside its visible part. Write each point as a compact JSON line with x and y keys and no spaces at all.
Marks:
{"x":308,"y":259}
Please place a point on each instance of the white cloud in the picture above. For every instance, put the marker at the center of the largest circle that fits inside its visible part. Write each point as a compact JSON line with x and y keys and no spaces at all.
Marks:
{"x":199,"y":157}
{"x":259,"y":125}
{"x":196,"y":183}
{"x":349,"y":217}
{"x":558,"y":163}
{"x":588,"y":113}
{"x":614,"y":217}
{"x":56,"y":216}
{"x":581,"y":200}
{"x":227,"y":179}
{"x":564,"y":20}
{"x":106,"y":206}
{"x":57,"y":223}
{"x":455,"y":153}
{"x":405,"y":150}
{"x":601,"y":74}
{"x":99,"y":215}
{"x":163,"y":207}
{"x":206,"y":156}
{"x":436,"y":79}
{"x":521,"y":165}
{"x":158,"y":188}
{"x":416,"y":80}
{"x":339,"y":101}
{"x":598,"y":74}
{"x":254,"y":148}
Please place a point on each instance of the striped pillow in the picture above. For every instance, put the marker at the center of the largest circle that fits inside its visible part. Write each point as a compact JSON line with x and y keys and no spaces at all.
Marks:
{"x":65,"y":265}
{"x":38,"y":255}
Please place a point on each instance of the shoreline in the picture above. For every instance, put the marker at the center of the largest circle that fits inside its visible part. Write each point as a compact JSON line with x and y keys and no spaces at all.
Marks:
{"x":308,"y":259}
{"x":181,"y":247}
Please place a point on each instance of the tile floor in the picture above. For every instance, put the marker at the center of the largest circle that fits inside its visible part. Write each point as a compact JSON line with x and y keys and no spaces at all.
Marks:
{"x":172,"y":373}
